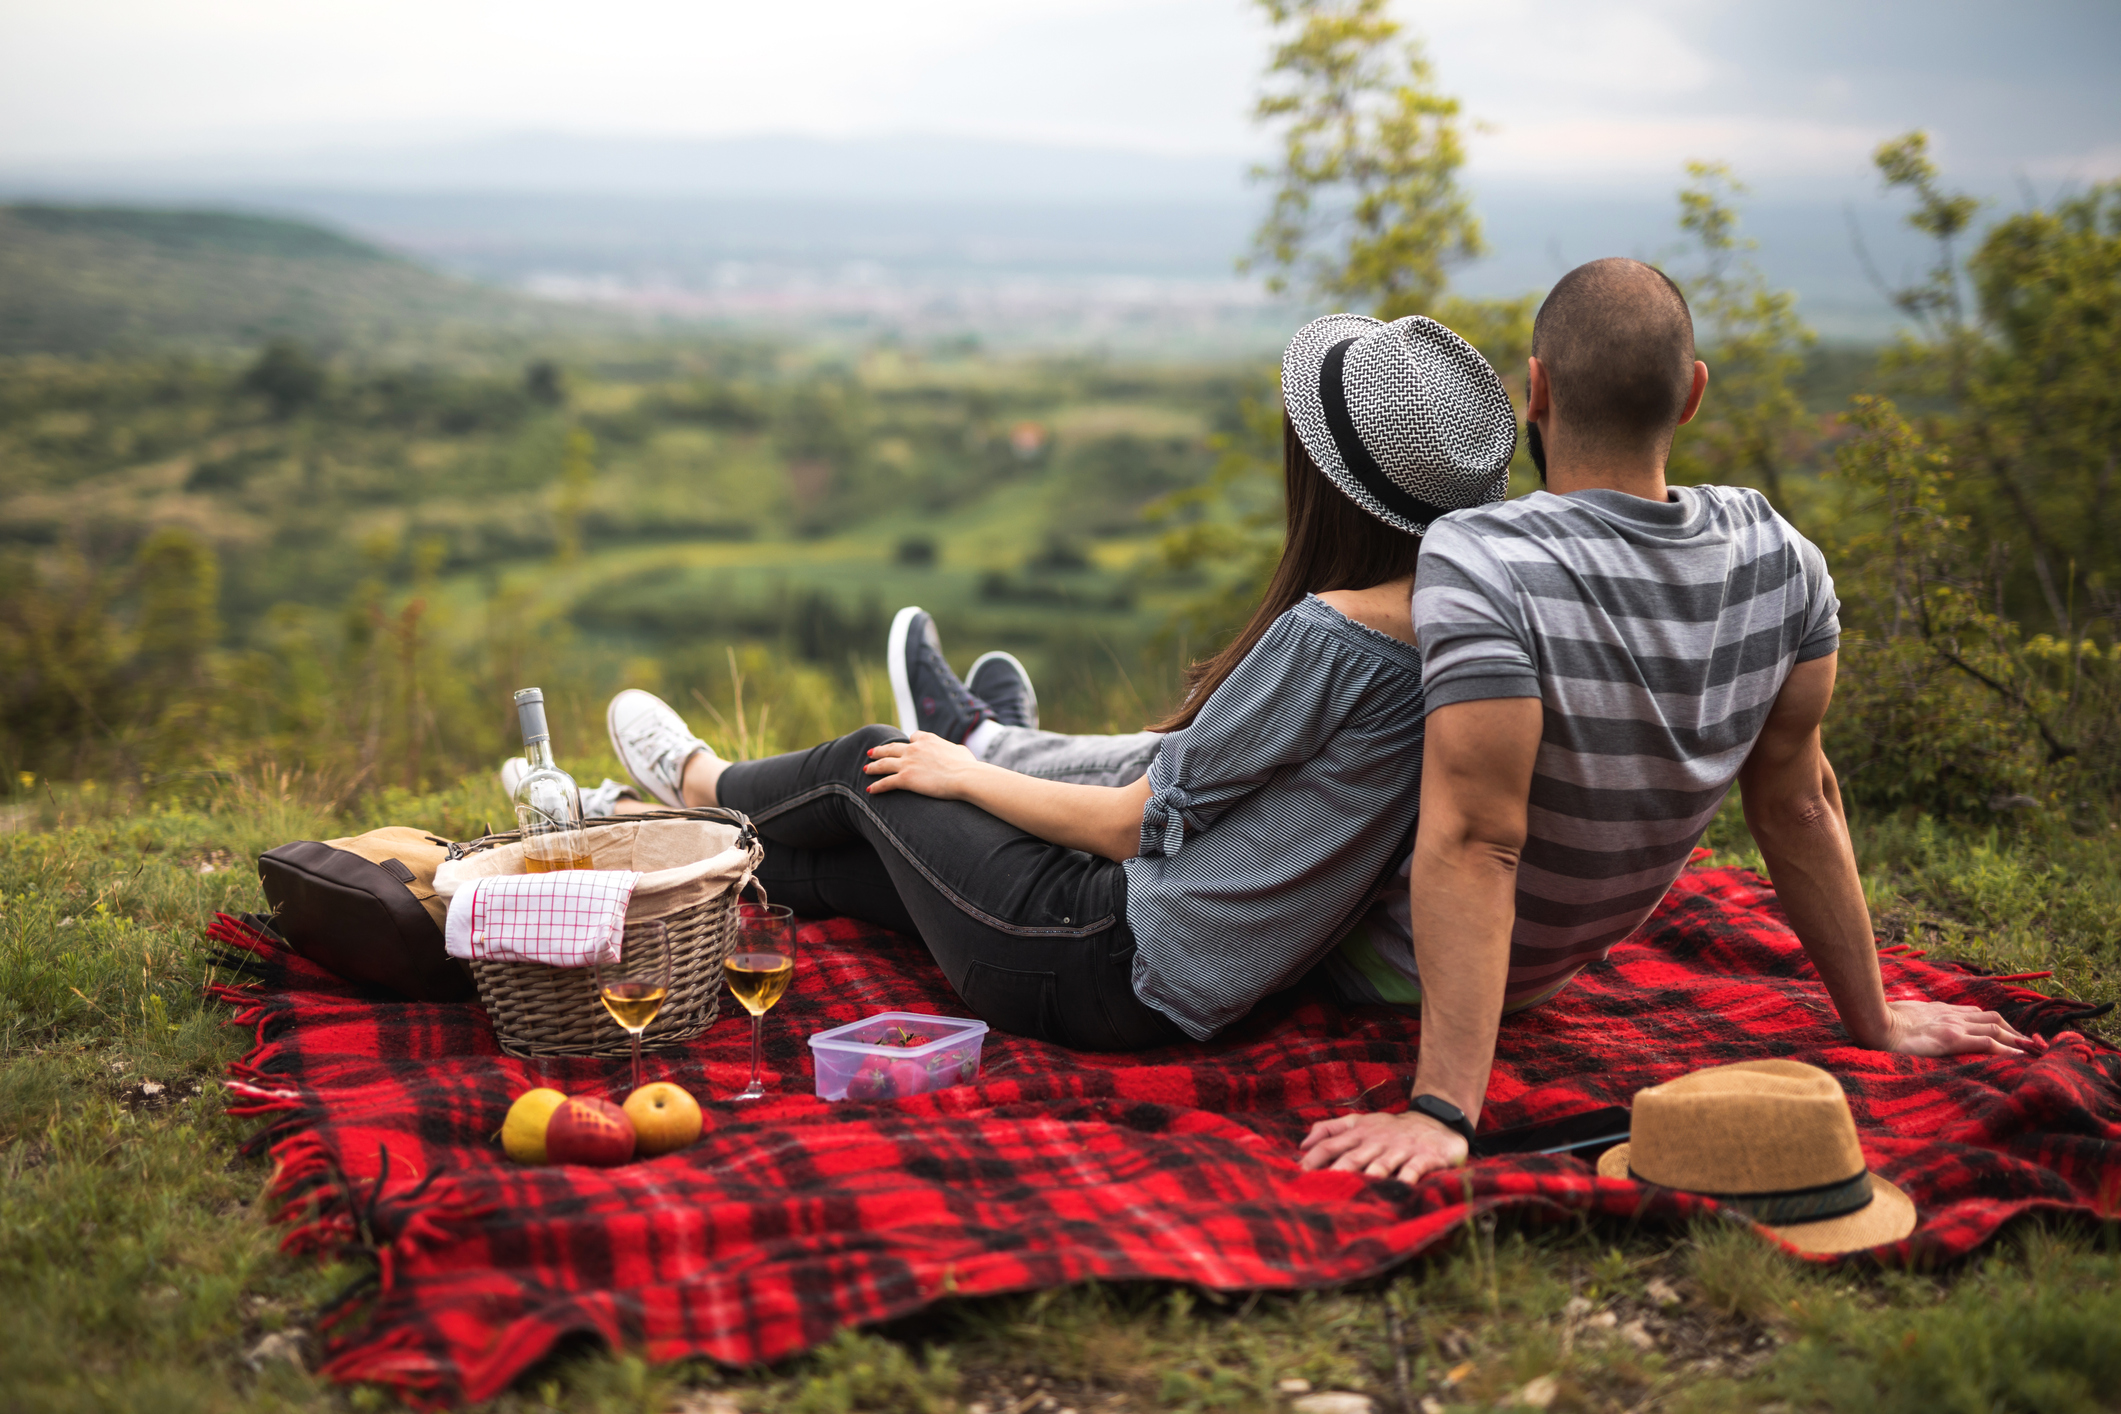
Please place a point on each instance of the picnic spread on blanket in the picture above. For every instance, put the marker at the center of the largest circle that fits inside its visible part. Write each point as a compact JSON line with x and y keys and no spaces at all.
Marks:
{"x":794,"y":1216}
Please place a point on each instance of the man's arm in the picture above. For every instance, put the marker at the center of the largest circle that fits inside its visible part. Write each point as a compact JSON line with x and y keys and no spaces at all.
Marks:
{"x":1793,"y":807}
{"x":1476,"y":786}
{"x":1102,"y":820}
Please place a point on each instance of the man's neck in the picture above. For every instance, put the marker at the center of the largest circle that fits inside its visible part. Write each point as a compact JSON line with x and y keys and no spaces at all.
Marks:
{"x":1647,"y":483}
{"x":1569,"y":471}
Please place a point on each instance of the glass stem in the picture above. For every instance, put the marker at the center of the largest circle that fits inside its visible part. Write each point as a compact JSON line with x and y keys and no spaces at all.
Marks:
{"x":758,"y":1026}
{"x":636,"y":1060}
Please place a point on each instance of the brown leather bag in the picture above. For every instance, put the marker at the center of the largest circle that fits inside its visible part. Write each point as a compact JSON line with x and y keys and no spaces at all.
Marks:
{"x":364,"y":907}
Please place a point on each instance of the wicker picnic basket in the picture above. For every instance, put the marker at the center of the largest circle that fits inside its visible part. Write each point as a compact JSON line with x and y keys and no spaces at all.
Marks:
{"x":694,"y":863}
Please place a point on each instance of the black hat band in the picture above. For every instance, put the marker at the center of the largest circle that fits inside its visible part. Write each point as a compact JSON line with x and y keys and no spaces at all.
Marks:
{"x":1797,"y":1205}
{"x":1333,"y":395}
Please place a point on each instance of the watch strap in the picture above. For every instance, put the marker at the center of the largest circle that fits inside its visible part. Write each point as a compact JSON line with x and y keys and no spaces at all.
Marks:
{"x":1444,"y":1113}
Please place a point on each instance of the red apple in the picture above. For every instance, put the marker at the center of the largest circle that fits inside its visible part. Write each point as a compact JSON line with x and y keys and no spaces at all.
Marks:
{"x":586,"y":1131}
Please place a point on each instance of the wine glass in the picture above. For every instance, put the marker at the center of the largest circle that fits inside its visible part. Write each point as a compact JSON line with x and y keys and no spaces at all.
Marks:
{"x":633,"y":987}
{"x":759,"y":970}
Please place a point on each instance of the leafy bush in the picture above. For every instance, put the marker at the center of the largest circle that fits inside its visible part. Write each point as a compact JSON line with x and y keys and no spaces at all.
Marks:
{"x":1943,"y":703}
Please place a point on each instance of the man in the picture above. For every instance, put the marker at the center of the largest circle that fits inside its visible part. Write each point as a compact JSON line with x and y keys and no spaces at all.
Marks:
{"x":1601,"y":660}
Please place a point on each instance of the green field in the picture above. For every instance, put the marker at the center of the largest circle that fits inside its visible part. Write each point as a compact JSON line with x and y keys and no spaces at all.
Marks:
{"x":630,"y":518}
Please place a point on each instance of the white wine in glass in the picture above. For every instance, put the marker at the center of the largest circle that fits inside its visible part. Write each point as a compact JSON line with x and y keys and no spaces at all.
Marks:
{"x":759,"y":971}
{"x":633,"y":988}
{"x":633,"y":1005}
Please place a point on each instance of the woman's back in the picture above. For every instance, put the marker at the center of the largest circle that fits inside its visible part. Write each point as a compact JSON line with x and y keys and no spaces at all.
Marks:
{"x":1273,"y":814}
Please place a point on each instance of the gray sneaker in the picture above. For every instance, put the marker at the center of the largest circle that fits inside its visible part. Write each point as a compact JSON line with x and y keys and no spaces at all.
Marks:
{"x":930,"y":697}
{"x":1000,"y":681}
{"x":653,"y":743}
{"x":604,"y":800}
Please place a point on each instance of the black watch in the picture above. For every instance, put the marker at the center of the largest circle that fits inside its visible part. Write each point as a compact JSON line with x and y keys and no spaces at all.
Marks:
{"x":1446,"y":1114}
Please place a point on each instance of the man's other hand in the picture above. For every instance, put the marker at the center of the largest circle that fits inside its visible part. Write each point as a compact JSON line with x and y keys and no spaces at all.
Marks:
{"x":1401,"y":1146}
{"x":1917,"y":1028}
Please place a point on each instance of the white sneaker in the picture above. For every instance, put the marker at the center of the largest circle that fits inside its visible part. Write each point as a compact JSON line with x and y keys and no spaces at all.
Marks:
{"x":652,"y":742}
{"x":512,"y":772}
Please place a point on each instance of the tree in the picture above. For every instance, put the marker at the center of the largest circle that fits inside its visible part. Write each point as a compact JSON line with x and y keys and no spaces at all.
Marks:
{"x":180,"y":584}
{"x":1934,"y":302}
{"x":1750,"y":336}
{"x":286,"y":377}
{"x":1367,"y":213}
{"x":1944,"y":703}
{"x":578,"y":473}
{"x":543,"y":383}
{"x":2024,"y":371}
{"x":1367,"y":209}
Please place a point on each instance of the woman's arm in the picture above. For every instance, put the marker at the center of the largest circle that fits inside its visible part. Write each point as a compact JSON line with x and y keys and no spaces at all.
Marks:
{"x":1103,"y":820}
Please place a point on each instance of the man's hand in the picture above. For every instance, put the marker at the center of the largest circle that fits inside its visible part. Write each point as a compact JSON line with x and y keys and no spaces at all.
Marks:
{"x":926,"y":765}
{"x":1401,"y":1146}
{"x":1917,"y":1028}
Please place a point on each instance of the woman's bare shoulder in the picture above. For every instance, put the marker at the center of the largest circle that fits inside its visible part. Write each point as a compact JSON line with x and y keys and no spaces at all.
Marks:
{"x":1388,"y":608}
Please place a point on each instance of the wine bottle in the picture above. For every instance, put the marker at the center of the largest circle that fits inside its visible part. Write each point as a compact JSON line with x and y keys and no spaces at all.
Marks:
{"x":548,"y":804}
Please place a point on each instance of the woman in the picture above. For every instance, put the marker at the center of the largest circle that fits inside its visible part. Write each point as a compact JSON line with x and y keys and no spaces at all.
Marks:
{"x":1162,"y":905}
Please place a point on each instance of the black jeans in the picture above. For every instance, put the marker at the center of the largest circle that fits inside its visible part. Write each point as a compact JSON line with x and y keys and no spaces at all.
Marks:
{"x":1032,"y":936}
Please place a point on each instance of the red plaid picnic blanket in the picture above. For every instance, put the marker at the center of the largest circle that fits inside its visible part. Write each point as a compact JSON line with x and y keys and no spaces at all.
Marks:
{"x":793,"y":1218}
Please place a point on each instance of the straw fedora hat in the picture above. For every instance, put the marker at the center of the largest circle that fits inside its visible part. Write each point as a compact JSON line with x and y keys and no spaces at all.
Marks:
{"x":1772,"y":1139}
{"x":1406,"y":418}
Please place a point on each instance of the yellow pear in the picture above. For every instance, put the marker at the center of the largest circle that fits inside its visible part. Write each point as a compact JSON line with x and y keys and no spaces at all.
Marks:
{"x":523,"y":1132}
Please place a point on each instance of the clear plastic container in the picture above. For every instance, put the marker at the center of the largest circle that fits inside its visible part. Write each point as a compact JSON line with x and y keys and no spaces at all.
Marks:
{"x":854,"y":1062}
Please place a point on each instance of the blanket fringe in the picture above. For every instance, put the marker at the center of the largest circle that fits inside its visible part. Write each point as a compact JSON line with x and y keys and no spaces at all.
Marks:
{"x":396,"y":1360}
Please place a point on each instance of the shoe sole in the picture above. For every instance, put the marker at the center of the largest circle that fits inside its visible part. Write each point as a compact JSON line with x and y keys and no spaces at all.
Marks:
{"x":1030,"y":692}
{"x":611,"y":730}
{"x":895,"y":660}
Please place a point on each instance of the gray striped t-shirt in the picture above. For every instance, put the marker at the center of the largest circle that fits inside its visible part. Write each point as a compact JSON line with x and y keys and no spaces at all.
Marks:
{"x":1657,"y":636}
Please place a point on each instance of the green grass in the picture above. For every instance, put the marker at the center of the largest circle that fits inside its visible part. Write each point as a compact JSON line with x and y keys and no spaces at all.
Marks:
{"x":139,"y":1272}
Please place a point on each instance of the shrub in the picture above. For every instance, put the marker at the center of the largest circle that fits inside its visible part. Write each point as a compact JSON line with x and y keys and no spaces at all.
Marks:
{"x":1944,"y":704}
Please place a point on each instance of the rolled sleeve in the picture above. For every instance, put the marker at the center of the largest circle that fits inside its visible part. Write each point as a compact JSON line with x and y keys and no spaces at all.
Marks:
{"x":1274,"y":712}
{"x":1164,"y":822}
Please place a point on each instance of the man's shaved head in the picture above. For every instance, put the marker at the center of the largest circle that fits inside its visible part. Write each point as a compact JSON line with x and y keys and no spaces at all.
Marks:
{"x":1617,"y":343}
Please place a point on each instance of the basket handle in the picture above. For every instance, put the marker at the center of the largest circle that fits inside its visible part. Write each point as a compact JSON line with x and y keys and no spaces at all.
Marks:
{"x":747,"y":833}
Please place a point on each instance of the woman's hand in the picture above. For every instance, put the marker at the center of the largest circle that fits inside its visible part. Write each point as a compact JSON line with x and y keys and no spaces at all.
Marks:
{"x":926,"y":765}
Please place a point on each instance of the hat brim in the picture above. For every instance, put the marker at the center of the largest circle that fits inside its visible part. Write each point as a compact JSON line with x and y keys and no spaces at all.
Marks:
{"x":1888,"y":1217}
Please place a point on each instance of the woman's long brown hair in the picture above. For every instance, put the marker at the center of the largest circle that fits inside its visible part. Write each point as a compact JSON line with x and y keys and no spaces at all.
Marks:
{"x":1331,"y":543}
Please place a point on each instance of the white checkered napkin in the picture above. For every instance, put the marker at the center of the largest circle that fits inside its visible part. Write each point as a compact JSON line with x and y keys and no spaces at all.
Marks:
{"x":570,"y":918}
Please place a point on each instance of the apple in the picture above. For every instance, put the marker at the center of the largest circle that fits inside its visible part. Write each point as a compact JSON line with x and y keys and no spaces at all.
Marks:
{"x":523,"y":1132}
{"x":664,"y":1117}
{"x":592,"y":1132}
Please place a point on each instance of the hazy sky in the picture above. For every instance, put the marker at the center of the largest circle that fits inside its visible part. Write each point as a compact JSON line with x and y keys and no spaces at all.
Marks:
{"x":1590,"y":90}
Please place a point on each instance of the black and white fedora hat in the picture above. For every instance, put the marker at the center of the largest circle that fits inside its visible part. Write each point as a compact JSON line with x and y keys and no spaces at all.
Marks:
{"x":1406,"y":418}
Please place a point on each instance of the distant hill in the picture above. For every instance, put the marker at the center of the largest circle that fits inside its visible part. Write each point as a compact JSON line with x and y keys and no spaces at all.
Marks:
{"x":94,"y":279}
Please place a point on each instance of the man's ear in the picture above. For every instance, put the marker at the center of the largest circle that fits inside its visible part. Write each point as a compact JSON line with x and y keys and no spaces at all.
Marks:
{"x":1538,"y":393}
{"x":1693,"y":399}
